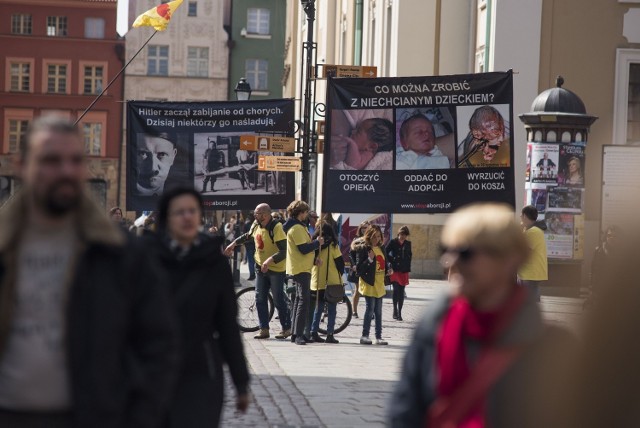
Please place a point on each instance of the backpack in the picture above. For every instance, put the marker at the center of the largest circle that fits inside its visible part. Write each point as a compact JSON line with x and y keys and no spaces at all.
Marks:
{"x":270,"y":228}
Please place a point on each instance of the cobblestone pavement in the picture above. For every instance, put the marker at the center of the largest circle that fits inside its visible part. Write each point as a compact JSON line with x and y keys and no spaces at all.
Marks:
{"x":348,"y":384}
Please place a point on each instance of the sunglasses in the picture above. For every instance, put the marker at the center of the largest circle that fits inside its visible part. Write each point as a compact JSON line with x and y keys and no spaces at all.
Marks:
{"x":462,"y":254}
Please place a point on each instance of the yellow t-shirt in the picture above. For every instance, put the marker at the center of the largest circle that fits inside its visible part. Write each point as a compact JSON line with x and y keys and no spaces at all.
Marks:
{"x":535,"y":268}
{"x":266,"y":248}
{"x":378,"y":289}
{"x":296,"y":261}
{"x":319,"y":273}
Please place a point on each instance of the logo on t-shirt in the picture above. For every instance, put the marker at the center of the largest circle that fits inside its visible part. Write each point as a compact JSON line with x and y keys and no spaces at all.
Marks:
{"x":380,"y":261}
{"x":259,"y":242}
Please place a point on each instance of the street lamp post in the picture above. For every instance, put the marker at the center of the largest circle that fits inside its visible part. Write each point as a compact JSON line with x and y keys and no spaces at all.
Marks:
{"x":308,"y":46}
{"x":243,"y":93}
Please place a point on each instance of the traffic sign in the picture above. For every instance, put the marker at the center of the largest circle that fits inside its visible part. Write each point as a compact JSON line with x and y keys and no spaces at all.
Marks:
{"x":349,"y":71}
{"x":279,"y":163}
{"x":267,"y":144}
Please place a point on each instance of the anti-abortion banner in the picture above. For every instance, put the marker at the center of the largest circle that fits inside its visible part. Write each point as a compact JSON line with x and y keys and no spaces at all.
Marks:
{"x":198,"y":144}
{"x":418,"y":144}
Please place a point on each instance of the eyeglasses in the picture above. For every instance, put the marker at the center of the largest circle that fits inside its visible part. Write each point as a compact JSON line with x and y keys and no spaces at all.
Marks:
{"x":184,"y":211}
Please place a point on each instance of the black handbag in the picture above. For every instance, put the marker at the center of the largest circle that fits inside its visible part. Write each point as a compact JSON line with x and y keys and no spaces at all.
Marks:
{"x":334,"y":293}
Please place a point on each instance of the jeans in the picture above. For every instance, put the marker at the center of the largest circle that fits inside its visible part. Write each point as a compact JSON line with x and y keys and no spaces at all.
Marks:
{"x":331,"y":308}
{"x":273,"y":281}
{"x":251,"y":262}
{"x":534,"y":288}
{"x":374,"y":305}
{"x":301,"y":302}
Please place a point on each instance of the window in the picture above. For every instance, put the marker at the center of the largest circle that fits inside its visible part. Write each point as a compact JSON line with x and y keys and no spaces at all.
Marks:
{"x":92,"y":132}
{"x":17,"y":131}
{"x":94,"y":28}
{"x":20,"y":76}
{"x":57,"y":78}
{"x":193,"y":8}
{"x":158,"y":60}
{"x":482,"y":29}
{"x":93,"y":75}
{"x":197,"y":61}
{"x":258,"y":21}
{"x":633,"y":105}
{"x":56,"y":25}
{"x":21,"y":24}
{"x":256,"y":73}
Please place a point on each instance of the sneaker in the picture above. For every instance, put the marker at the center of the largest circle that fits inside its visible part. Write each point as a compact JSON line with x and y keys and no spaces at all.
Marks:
{"x":381,"y":342}
{"x":283,"y":334}
{"x":300,"y":341}
{"x":331,"y":339}
{"x":264,"y":334}
{"x":315,"y":337}
{"x":364,"y":340}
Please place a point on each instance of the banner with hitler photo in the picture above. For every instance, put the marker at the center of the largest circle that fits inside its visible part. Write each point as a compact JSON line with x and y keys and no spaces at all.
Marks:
{"x":418,"y":144}
{"x":199,"y":144}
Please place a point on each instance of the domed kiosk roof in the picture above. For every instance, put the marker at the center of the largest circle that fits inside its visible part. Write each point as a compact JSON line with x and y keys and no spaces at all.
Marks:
{"x":558,"y":100}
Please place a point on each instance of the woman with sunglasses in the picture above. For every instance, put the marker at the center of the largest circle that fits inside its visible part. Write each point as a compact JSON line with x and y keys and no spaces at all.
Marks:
{"x":469,"y":362}
{"x":371,"y":265}
{"x":204,"y":299}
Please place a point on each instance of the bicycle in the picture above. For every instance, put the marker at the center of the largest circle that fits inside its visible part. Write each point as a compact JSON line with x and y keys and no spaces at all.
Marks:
{"x":248,"y":313}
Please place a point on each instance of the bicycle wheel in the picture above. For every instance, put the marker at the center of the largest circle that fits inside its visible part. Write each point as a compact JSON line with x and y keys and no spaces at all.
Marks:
{"x":247,"y":310}
{"x":344,"y":311}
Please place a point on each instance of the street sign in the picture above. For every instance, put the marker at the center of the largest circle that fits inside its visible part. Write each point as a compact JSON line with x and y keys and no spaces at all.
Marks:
{"x":279,"y":163}
{"x":349,"y":71}
{"x":267,"y":144}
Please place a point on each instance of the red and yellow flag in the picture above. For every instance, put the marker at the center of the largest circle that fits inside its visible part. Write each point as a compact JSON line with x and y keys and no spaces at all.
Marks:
{"x":158,"y":17}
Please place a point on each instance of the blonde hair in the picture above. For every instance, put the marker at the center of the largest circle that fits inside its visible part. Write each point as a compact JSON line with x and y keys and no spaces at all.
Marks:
{"x":488,"y":226}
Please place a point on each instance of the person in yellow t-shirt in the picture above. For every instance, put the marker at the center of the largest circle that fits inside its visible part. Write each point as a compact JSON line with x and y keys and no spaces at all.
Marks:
{"x":328,"y":270}
{"x":371,"y":266}
{"x":271,"y":251}
{"x":535,"y":269}
{"x":300,"y":259}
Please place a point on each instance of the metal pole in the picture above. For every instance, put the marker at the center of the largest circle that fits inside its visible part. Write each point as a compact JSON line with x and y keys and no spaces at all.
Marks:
{"x":114,"y":79}
{"x":236,"y":252}
{"x":310,"y":11}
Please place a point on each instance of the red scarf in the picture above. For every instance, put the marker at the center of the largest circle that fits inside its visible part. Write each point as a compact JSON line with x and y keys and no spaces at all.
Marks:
{"x":463,"y":322}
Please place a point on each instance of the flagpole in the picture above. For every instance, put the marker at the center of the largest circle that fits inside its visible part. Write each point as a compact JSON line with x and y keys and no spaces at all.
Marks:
{"x":114,"y":79}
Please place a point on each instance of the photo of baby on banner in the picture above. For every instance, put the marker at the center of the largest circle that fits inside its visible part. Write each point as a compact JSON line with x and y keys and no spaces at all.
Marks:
{"x":221,"y":167}
{"x":487,"y":137}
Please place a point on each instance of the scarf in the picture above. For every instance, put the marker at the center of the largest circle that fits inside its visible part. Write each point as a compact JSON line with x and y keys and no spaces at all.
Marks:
{"x":462,"y":322}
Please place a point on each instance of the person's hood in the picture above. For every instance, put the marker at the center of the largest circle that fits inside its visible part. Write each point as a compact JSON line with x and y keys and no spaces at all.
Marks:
{"x":541,"y":224}
{"x":292,"y":222}
{"x":358,"y":244}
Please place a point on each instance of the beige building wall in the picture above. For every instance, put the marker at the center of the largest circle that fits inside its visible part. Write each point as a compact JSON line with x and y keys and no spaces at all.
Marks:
{"x":204,"y":30}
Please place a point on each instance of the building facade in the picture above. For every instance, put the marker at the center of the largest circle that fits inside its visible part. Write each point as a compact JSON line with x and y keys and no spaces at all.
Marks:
{"x":596,"y":49}
{"x":56,"y":58}
{"x":257,"y":46}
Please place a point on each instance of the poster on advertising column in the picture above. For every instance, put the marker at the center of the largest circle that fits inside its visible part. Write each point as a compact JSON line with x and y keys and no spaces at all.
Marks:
{"x":418,"y":144}
{"x":199,"y":144}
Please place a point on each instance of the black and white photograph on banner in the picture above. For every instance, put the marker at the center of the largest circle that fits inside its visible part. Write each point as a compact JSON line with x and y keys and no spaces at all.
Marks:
{"x":420,"y":173}
{"x":485,"y":136}
{"x":198,"y":144}
{"x":544,"y":163}
{"x":222,"y":167}
{"x":565,"y":199}
{"x":362,"y":140}
{"x":161,"y":162}
{"x":571,"y":165}
{"x":425,"y":138}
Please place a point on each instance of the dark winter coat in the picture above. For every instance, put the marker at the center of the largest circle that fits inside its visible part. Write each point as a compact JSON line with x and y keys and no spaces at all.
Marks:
{"x":399,"y":256}
{"x":353,"y":252}
{"x":511,"y":402}
{"x":204,"y":297}
{"x":122,"y":341}
{"x":365,"y":269}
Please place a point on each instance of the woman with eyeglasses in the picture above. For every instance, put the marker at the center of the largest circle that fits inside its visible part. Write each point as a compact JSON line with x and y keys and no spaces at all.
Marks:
{"x":204,"y":298}
{"x":372,"y":267}
{"x":471,"y":360}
